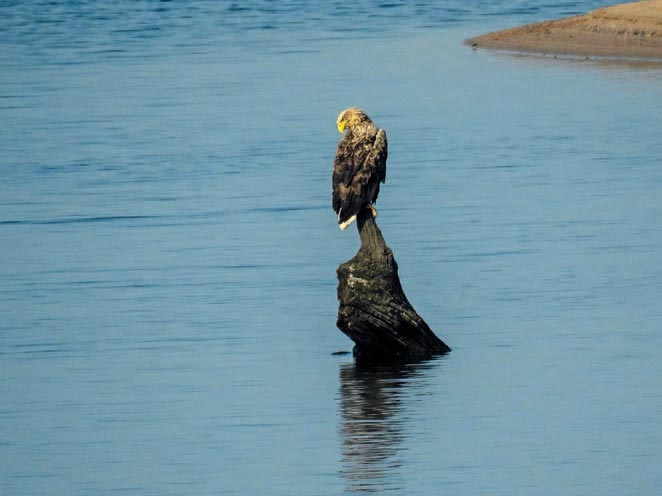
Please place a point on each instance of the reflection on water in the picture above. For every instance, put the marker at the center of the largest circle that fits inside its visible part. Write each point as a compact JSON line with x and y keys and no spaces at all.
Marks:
{"x":374,"y":426}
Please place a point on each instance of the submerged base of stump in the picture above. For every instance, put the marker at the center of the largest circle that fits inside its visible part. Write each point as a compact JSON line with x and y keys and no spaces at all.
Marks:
{"x":374,"y":311}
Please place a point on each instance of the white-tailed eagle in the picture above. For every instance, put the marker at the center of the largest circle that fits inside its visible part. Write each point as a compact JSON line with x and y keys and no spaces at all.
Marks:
{"x":359,"y":167}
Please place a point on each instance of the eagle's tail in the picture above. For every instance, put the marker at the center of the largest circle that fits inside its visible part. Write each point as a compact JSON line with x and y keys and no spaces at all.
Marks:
{"x":343,"y":225}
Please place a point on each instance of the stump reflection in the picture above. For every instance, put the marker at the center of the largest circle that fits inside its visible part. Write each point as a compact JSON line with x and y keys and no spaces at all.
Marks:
{"x":374,"y":427}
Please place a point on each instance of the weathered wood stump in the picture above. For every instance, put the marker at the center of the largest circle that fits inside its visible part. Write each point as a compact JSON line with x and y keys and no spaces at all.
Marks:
{"x":374,"y":311}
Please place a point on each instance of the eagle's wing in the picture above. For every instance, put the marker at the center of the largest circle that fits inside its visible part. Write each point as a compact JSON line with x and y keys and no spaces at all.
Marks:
{"x":379,"y":156}
{"x":359,"y":167}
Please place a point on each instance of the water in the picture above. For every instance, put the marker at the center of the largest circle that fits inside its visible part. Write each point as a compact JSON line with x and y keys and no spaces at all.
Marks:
{"x":168,"y":254}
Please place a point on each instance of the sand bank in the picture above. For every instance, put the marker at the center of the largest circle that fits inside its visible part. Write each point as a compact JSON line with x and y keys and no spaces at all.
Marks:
{"x":629,"y":30}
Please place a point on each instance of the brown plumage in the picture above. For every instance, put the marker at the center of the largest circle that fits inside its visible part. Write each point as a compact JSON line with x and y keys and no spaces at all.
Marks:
{"x":359,"y":167}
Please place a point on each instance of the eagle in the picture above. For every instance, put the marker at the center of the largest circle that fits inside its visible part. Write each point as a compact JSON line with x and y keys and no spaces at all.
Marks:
{"x":359,"y":166}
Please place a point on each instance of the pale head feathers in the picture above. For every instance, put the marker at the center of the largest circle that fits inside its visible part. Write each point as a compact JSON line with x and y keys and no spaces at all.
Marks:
{"x":351,"y":117}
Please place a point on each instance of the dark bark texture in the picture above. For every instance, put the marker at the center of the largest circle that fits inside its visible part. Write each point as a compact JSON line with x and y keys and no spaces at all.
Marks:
{"x":374,"y":311}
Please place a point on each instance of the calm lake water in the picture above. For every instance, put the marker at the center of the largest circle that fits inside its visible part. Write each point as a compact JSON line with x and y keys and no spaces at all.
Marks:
{"x":168,"y":254}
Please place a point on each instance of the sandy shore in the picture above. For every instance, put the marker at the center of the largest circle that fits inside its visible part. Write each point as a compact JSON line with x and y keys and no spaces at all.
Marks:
{"x":629,"y":30}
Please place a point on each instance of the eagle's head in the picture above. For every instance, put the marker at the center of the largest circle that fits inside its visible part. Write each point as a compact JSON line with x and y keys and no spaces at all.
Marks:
{"x":351,"y":117}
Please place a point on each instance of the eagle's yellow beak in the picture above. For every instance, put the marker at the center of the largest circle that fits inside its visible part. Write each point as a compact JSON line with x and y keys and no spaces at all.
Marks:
{"x":341,"y":126}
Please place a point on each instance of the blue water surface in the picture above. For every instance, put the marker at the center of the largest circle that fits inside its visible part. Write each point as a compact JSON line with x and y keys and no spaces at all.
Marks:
{"x":168,"y":253}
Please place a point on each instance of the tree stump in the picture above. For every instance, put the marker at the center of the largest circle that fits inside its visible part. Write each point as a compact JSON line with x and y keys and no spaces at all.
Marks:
{"x":374,"y":311}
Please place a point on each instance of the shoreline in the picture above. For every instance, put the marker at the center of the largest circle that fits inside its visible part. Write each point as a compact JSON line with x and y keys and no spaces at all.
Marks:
{"x":629,"y":32}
